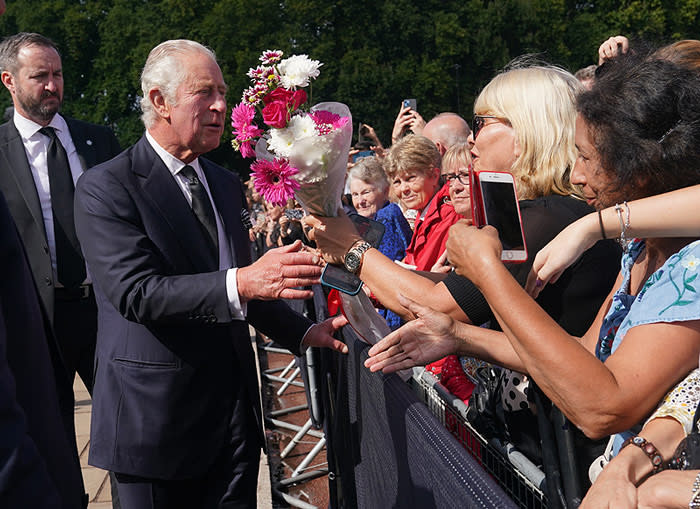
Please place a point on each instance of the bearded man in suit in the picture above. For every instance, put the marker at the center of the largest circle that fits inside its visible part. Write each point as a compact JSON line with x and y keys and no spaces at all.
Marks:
{"x":176,"y":403}
{"x":42,"y":154}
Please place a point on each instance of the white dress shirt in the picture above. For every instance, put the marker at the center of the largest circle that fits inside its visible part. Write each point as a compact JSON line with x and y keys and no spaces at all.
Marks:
{"x":36,"y":146}
{"x":227,"y":254}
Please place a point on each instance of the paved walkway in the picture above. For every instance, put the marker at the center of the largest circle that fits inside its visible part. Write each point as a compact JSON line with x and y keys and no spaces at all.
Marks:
{"x":97,"y":481}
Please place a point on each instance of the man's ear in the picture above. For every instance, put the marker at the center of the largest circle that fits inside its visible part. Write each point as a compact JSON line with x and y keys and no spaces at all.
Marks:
{"x":8,"y":80}
{"x":160,"y":105}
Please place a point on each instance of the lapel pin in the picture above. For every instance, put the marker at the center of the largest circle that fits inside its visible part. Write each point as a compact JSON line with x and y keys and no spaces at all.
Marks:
{"x":89,"y":142}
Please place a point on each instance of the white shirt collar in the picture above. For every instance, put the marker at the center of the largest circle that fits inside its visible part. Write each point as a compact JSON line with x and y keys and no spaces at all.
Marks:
{"x":173,"y":164}
{"x":28,"y":128}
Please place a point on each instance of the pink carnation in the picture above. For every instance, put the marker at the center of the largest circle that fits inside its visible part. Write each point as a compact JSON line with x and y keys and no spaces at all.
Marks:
{"x":273,"y":180}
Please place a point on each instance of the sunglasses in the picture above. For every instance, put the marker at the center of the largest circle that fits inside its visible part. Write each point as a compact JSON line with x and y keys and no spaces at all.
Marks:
{"x":462,"y":177}
{"x":479,"y":121}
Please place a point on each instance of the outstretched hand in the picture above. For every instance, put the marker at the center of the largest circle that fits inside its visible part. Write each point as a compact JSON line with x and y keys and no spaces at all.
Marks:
{"x":431,"y":336}
{"x":321,"y":334}
{"x":278,"y":273}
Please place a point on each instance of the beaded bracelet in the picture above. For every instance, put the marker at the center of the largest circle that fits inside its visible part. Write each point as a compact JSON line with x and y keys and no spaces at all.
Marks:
{"x":649,"y":449}
{"x":695,"y":495}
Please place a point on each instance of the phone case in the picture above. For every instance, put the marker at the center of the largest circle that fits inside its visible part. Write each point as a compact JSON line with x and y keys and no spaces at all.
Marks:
{"x":479,"y":211}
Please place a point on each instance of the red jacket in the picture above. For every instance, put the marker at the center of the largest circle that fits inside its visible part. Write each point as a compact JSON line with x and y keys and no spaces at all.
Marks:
{"x":430,"y":234}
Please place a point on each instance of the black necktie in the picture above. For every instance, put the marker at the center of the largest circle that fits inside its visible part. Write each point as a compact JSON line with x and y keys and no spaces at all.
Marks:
{"x":201,"y":206}
{"x":69,"y":259}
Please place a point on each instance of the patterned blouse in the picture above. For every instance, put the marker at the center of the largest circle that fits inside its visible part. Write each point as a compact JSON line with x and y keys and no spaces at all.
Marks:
{"x":669,"y":295}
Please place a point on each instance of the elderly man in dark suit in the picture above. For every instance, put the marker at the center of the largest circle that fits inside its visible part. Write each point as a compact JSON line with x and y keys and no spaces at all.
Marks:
{"x":176,"y":411}
{"x":39,"y":465}
{"x":42,"y":154}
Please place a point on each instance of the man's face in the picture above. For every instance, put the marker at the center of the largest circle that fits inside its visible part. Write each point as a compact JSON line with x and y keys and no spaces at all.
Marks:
{"x":37,"y":84}
{"x":196,"y":122}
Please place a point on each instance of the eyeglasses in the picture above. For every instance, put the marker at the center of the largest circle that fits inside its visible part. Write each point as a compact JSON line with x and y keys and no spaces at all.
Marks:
{"x":462,"y":177}
{"x":479,"y":121}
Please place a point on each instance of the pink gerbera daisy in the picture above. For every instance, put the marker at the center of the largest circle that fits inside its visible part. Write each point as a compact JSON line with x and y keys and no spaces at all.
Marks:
{"x":274,"y":180}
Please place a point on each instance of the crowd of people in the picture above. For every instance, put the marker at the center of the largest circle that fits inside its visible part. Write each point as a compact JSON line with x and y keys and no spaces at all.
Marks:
{"x":141,"y":274}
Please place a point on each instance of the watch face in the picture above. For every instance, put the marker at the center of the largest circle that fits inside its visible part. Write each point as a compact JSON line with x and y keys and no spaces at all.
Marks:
{"x":352,"y":261}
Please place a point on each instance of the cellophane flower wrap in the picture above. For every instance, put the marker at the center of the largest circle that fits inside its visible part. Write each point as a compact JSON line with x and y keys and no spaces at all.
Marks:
{"x":301,"y":153}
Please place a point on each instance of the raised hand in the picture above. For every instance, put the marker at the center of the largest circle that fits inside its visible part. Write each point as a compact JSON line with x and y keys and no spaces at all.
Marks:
{"x":470,"y":249}
{"x":277,"y":274}
{"x":334,"y":236}
{"x":431,"y":336}
{"x":612,"y":47}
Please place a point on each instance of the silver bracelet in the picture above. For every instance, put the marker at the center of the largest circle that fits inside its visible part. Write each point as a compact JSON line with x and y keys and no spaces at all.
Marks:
{"x":695,"y":495}
{"x":624,"y":224}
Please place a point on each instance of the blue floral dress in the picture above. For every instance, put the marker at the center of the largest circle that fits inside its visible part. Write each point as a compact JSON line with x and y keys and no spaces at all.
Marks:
{"x":397,"y":237}
{"x":669,"y":295}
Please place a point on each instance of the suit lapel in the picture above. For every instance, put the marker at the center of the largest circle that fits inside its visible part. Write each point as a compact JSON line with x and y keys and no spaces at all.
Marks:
{"x":17,"y":169}
{"x":165,"y":194}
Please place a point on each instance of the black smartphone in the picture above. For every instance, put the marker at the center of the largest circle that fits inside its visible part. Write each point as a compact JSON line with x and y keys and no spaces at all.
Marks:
{"x":336,"y":276}
{"x":411,"y":103}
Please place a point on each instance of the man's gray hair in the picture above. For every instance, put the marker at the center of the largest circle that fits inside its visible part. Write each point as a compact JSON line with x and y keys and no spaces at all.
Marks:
{"x":11,"y":46}
{"x":164,"y":70}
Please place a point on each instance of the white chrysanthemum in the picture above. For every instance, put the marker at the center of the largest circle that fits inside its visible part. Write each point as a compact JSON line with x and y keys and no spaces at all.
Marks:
{"x":296,"y":71}
{"x":302,"y":126}
{"x":281,"y":141}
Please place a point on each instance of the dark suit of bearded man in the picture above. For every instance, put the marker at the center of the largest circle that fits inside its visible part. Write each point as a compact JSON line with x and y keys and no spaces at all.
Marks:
{"x":31,"y":71}
{"x":176,"y":411}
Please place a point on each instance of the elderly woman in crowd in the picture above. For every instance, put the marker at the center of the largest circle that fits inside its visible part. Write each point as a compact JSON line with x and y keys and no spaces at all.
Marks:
{"x":524,"y":124}
{"x":637,"y":134}
{"x":413,"y":168}
{"x":369,"y":189}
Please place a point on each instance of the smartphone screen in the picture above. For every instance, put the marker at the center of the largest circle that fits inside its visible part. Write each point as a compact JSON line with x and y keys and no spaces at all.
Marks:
{"x":502,"y":212}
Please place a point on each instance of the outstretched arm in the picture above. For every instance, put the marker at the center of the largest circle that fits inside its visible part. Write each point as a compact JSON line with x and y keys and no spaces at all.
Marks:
{"x":666,"y":215}
{"x":336,"y":235}
{"x":633,"y":379}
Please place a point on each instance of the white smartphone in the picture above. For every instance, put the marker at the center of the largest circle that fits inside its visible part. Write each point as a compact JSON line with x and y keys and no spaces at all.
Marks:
{"x":501,"y":210}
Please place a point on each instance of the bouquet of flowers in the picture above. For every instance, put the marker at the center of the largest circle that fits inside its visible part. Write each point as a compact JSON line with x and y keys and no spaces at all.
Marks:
{"x":302,"y":153}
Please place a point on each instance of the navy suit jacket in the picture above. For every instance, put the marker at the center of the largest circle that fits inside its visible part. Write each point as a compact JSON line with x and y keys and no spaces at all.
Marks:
{"x":39,"y":465}
{"x":93,"y":143}
{"x":169,"y":357}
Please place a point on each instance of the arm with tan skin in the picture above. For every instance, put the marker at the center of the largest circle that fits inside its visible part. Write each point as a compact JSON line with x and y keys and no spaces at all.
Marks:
{"x":432,"y":336}
{"x":633,"y":379}
{"x":615,"y":487}
{"x":666,"y":215}
{"x":387,"y":280}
